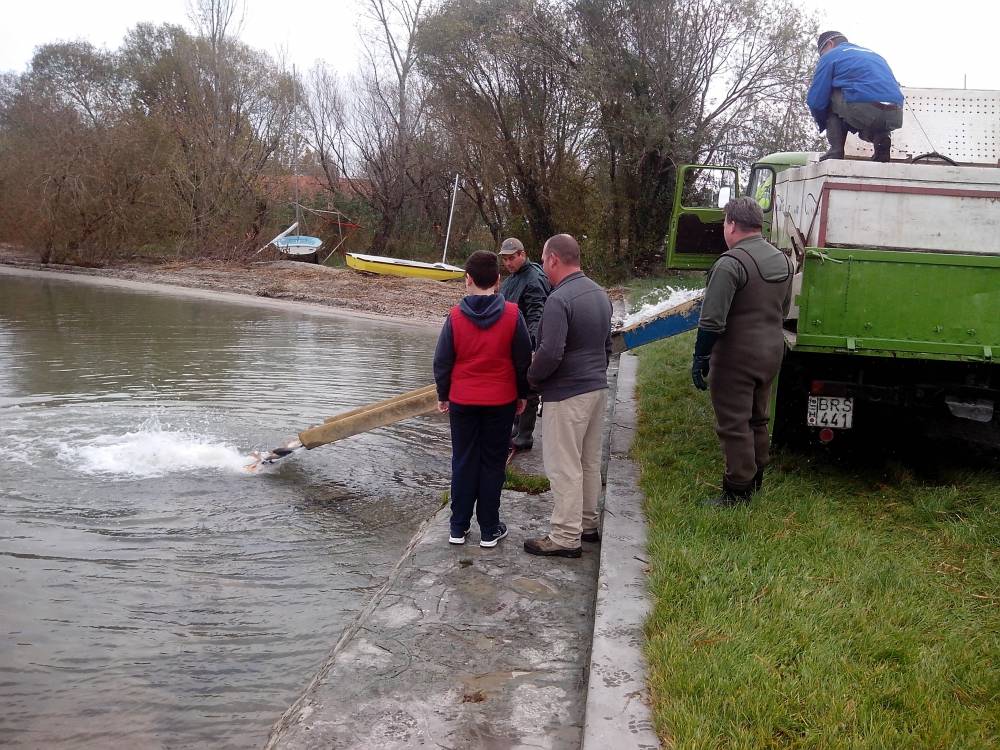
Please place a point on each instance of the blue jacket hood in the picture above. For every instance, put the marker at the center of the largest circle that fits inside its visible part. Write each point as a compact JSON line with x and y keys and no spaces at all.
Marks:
{"x":483,"y":310}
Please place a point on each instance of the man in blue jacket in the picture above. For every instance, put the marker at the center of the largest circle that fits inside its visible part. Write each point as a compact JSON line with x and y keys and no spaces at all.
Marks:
{"x":853,"y":90}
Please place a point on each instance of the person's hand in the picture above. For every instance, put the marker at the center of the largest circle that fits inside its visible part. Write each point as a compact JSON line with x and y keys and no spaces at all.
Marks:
{"x":443,"y":407}
{"x":521,"y":404}
{"x":699,"y":371}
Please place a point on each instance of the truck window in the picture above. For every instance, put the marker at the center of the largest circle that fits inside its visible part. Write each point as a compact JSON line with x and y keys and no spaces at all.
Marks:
{"x":695,"y":238}
{"x":761,"y":187}
{"x":706,"y":187}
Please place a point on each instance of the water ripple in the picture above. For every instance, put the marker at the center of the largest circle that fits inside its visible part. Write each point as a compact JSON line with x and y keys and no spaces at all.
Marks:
{"x":149,"y":576}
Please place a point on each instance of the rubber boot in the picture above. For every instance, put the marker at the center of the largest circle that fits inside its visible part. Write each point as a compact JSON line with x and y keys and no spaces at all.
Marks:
{"x":731,"y":496}
{"x":836,"y":134}
{"x":758,"y":480}
{"x":883,"y":145}
{"x":525,"y":426}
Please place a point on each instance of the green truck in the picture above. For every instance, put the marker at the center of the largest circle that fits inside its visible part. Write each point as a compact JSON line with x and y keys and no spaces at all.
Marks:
{"x":896,"y":316}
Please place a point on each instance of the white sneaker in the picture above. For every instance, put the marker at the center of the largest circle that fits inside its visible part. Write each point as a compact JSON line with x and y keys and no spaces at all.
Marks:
{"x":490,"y":540}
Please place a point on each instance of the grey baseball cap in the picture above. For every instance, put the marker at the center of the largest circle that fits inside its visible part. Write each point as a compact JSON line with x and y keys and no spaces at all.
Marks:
{"x":510,"y":246}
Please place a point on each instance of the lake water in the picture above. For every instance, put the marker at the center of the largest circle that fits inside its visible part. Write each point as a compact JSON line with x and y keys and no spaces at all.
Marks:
{"x":152,"y":593}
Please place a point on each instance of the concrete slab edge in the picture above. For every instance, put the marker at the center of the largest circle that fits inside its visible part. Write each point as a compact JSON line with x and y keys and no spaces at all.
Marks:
{"x":618,"y":716}
{"x":294,"y":711}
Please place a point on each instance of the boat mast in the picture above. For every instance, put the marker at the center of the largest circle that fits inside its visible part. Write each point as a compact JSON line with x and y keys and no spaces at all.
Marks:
{"x":295,"y":155}
{"x":447,"y":234}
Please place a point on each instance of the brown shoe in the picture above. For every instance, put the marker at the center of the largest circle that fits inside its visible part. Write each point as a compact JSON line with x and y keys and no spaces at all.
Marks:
{"x":547,"y":548}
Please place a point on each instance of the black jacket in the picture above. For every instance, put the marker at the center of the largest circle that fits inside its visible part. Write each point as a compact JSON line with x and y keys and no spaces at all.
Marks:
{"x":528,"y":289}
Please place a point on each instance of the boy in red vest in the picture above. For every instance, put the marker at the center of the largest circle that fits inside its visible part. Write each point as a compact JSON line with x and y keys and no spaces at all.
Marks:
{"x":480,"y":368}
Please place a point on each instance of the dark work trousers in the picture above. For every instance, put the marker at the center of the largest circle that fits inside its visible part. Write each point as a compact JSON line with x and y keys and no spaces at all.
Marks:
{"x":869,"y":120}
{"x":744,"y":364}
{"x":524,"y":425}
{"x":741,"y":397}
{"x":480,"y":436}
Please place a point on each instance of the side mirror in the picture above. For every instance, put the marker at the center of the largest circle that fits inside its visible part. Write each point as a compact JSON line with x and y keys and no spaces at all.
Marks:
{"x":724,"y":196}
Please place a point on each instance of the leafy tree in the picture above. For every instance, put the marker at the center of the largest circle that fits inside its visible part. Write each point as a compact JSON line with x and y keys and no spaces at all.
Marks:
{"x":218,"y":111}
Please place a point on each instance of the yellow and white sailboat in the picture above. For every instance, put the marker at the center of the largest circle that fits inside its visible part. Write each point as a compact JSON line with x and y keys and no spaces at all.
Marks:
{"x":415,"y":268}
{"x":400,"y":267}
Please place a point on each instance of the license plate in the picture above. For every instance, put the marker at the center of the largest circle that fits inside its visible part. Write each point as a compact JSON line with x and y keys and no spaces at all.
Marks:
{"x":830,"y":411}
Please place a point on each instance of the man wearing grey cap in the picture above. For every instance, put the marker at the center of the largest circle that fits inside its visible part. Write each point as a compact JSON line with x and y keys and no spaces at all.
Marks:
{"x":853,"y":90}
{"x":528,"y":287}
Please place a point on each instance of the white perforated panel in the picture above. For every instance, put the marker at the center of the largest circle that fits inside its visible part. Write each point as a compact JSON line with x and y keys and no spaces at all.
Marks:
{"x":962,"y":124}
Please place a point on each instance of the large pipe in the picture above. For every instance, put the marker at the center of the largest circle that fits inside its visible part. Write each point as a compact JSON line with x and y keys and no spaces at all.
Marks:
{"x":676,"y":320}
{"x":380,"y":414}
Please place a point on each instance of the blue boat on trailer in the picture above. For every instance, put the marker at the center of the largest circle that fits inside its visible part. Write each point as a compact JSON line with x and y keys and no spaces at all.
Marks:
{"x":298,"y":244}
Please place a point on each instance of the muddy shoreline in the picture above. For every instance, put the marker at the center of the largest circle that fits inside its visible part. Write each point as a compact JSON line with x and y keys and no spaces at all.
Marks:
{"x":341,"y":289}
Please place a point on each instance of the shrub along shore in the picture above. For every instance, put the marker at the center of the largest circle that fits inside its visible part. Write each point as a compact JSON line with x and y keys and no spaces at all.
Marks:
{"x":848,"y":606}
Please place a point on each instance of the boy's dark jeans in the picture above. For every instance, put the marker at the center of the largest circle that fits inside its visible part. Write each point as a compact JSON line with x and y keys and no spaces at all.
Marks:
{"x":480,"y":436}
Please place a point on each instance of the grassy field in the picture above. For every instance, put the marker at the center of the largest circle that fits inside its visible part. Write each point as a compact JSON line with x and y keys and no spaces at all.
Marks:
{"x":846,"y":608}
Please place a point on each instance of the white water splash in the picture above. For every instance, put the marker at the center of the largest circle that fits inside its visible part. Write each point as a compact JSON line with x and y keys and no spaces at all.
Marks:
{"x":667,"y":298}
{"x":153,"y":452}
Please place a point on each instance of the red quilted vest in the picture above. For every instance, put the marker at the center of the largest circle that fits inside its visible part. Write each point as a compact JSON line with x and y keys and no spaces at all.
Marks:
{"x":483,"y":374}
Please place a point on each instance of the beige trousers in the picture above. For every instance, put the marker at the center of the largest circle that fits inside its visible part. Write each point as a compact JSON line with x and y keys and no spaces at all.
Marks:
{"x":571,"y":452}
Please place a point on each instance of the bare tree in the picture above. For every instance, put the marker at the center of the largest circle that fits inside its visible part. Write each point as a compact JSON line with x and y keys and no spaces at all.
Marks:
{"x":325,"y":120}
{"x":388,"y":114}
{"x":213,"y":19}
{"x":684,"y":81}
{"x":500,"y":76}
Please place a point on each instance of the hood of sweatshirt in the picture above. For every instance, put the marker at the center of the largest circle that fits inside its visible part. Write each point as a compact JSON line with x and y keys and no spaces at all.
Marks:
{"x":482,"y":309}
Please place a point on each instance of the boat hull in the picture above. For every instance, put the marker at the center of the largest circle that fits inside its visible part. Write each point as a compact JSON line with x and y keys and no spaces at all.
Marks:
{"x":298,"y":244}
{"x":398,"y":267}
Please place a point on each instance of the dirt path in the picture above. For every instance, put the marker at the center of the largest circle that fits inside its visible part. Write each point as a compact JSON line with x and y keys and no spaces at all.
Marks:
{"x":281,"y":279}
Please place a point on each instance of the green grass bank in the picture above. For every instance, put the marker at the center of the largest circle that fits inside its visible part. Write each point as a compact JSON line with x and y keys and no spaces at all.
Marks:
{"x":847,"y":607}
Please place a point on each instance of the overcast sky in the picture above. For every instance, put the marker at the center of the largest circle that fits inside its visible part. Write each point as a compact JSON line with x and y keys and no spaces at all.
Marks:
{"x":936,"y":45}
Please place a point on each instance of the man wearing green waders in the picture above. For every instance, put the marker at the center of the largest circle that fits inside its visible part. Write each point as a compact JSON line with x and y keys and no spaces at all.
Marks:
{"x":740,"y":342}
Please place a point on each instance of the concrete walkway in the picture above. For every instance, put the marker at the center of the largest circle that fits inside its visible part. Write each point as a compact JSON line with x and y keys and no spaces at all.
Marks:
{"x":465,"y":647}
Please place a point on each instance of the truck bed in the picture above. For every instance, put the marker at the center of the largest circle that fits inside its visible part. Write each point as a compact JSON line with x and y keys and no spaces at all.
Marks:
{"x":910,"y":207}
